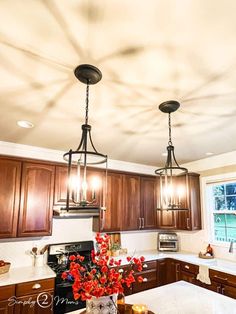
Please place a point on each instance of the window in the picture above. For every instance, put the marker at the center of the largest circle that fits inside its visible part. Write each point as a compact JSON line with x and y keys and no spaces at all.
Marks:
{"x":221,"y":206}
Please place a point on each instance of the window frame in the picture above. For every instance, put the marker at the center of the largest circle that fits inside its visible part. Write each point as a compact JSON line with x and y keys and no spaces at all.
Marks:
{"x":206,"y":201}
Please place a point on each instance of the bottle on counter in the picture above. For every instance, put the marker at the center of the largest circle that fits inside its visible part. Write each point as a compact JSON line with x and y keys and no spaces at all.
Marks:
{"x":209,"y":250}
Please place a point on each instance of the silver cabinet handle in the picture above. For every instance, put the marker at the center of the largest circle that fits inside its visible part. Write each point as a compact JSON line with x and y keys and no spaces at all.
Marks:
{"x":36,"y":286}
{"x":223,"y":290}
{"x":142,"y":222}
{"x":145,"y":279}
{"x":186,"y":266}
{"x":145,"y":266}
{"x":218,"y":289}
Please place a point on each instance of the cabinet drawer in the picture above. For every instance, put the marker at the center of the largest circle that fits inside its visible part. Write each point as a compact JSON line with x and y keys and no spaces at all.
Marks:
{"x":149,"y":281}
{"x":6,"y":292}
{"x":32,"y":287}
{"x":223,"y":277}
{"x":150,"y":265}
{"x":190,"y":268}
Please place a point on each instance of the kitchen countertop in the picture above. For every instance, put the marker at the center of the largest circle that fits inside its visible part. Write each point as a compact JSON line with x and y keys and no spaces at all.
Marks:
{"x":215,"y":263}
{"x":182,"y":298}
{"x":25,"y":274}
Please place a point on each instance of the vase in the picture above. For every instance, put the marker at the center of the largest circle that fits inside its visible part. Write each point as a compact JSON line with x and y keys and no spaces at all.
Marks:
{"x":103,"y":305}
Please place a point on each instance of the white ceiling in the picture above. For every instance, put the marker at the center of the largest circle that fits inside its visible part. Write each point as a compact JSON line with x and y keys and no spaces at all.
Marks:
{"x":148,"y":51}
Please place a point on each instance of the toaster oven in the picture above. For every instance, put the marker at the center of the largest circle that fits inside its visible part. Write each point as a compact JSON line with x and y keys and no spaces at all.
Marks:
{"x":167,"y":241}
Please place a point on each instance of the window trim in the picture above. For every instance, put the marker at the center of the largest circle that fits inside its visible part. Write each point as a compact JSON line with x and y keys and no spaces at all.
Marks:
{"x":208,"y":216}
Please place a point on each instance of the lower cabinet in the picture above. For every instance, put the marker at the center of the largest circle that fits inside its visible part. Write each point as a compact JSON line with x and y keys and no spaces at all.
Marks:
{"x":173,"y":270}
{"x":162,"y":272}
{"x":34,"y":297}
{"x":149,"y":274}
{"x":6,"y":292}
{"x":222,"y":283}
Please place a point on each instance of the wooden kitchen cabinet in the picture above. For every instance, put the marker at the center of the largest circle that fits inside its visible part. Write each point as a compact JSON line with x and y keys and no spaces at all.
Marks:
{"x":222,"y":283}
{"x":61,"y":181}
{"x":148,"y":194}
{"x":122,"y":204}
{"x":131,"y":217}
{"x":191,"y":219}
{"x":37,"y":185}
{"x":184,"y":219}
{"x":34,"y":297}
{"x":149,"y":274}
{"x":10,"y":173}
{"x":111,"y":219}
{"x":161,"y":272}
{"x":173,"y":270}
{"x":6,"y":292}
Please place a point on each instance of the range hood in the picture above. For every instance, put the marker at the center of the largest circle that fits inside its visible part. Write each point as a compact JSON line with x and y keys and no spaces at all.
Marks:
{"x":77,"y":212}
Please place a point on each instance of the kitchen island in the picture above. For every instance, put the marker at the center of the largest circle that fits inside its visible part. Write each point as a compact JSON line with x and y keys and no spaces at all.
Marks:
{"x":182,"y":298}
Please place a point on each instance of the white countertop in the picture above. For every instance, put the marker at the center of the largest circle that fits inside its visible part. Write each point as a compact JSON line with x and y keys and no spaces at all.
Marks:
{"x":215,"y":263}
{"x":182,"y":298}
{"x":25,"y":274}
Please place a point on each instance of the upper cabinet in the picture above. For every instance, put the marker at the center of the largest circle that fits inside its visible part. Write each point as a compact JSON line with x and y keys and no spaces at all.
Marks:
{"x":10,"y":173}
{"x":26,"y":198}
{"x":148,"y":193}
{"x":191,"y":219}
{"x":35,"y":216}
{"x":130,"y":205}
{"x":185,"y":219}
{"x":94,"y":176}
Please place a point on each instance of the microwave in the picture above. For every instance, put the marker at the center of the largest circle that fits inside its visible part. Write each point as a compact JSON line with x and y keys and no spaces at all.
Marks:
{"x":167,"y":242}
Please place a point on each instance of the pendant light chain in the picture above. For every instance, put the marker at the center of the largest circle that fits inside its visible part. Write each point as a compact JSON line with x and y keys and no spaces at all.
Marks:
{"x":87,"y":103}
{"x":169,"y":125}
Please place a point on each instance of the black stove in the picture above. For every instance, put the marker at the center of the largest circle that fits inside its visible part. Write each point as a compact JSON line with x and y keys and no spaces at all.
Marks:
{"x":58,"y":260}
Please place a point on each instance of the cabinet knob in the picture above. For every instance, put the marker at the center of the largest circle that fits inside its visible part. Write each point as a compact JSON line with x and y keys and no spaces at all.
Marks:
{"x":186,"y":266}
{"x":121,"y":270}
{"x":36,"y":286}
{"x":145,"y":279}
{"x":145,"y":266}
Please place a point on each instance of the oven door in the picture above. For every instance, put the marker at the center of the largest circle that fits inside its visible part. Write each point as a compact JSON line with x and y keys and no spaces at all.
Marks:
{"x":64,"y":301}
{"x":171,"y":246}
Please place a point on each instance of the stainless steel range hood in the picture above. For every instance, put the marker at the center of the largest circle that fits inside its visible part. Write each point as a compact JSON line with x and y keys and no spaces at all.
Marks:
{"x":77,"y":212}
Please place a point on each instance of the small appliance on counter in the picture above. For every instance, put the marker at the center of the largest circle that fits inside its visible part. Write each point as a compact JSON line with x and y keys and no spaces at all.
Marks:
{"x":167,"y":242}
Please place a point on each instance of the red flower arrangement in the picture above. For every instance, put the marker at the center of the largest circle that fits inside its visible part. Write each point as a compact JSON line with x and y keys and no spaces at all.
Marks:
{"x":101,"y":277}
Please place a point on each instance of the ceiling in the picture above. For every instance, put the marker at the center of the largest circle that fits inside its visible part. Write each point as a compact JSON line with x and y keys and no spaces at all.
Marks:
{"x":148,"y":51}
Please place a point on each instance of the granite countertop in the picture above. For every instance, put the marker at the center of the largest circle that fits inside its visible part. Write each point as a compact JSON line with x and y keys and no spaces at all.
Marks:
{"x":25,"y":274}
{"x":182,"y":298}
{"x":215,"y":263}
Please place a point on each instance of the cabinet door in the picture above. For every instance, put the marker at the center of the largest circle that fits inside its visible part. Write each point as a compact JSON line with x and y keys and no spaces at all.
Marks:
{"x":5,"y":308}
{"x":35,"y":304}
{"x":191,"y":219}
{"x":131,"y":216}
{"x":35,"y":217}
{"x":166,"y":219}
{"x":148,"y":202}
{"x":10,"y":172}
{"x":229,"y":291}
{"x":161,"y":272}
{"x":173,"y":271}
{"x":112,"y":217}
{"x":60,"y":190}
{"x":95,"y":182}
{"x":189,"y":277}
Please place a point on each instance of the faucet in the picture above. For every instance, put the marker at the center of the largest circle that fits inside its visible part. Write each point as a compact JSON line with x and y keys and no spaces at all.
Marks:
{"x":231,"y":246}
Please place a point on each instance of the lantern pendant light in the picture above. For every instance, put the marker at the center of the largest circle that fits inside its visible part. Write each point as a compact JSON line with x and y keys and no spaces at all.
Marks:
{"x":82,"y":194}
{"x":173,"y":179}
